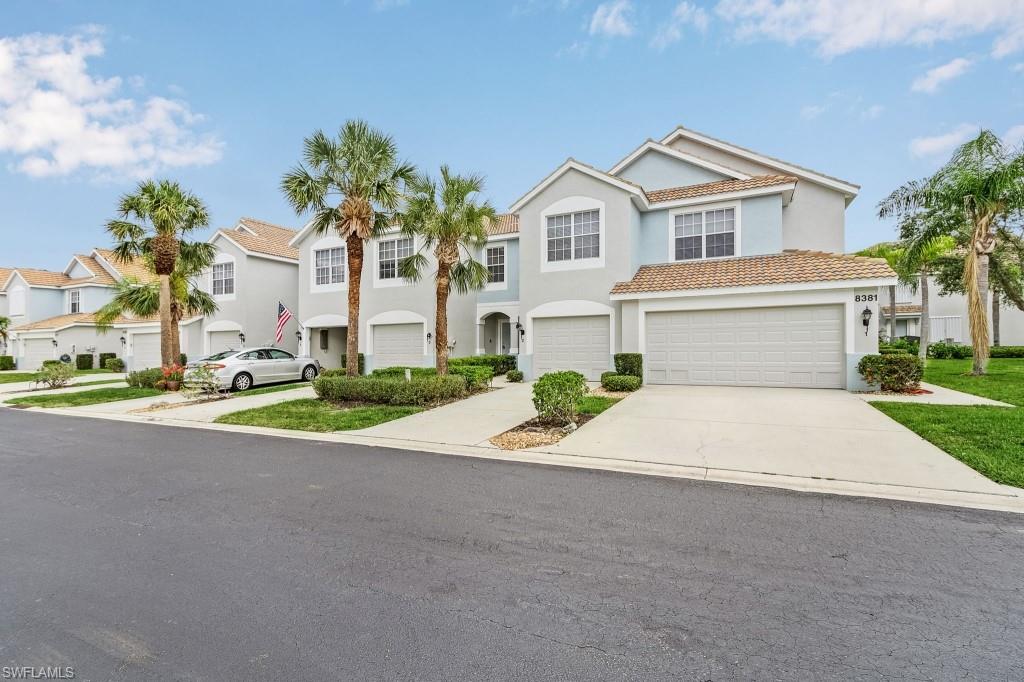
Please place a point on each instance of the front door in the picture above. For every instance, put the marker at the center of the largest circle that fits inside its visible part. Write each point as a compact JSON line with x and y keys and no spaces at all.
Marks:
{"x":506,"y":338}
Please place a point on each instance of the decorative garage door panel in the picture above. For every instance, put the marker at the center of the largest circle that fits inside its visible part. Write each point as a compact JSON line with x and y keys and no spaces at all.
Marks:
{"x":221,"y":341}
{"x":801,"y":346}
{"x":398,"y":345}
{"x":576,"y":343}
{"x":35,"y":351}
{"x":145,"y":350}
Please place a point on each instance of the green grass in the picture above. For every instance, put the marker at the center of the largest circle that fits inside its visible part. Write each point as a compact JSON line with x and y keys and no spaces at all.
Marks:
{"x":595,"y":404}
{"x":1004,"y":381}
{"x":99,"y":395}
{"x":16,"y":377}
{"x":310,"y":414}
{"x":97,"y":383}
{"x":270,"y":389}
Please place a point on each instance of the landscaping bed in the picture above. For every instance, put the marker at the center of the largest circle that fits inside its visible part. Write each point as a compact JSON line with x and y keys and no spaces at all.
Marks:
{"x":538,"y":432}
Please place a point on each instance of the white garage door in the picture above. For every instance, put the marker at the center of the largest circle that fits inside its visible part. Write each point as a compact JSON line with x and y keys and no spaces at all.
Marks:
{"x":397,"y":345}
{"x":576,"y":343}
{"x":220,"y":341}
{"x":35,"y":351}
{"x":145,"y":350}
{"x":799,"y":346}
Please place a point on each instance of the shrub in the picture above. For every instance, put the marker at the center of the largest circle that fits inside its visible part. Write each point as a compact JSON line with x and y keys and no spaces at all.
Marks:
{"x":56,"y":376}
{"x":478,"y":377}
{"x":421,"y":390}
{"x":114,"y":364}
{"x":892,"y":351}
{"x":51,"y":363}
{"x":514,"y":376}
{"x":944,"y":351}
{"x":6,"y":362}
{"x":83,"y":361}
{"x":102,"y":363}
{"x":145,"y":378}
{"x":611,"y":381}
{"x":898,"y":372}
{"x":904,"y":344}
{"x":399,"y":372}
{"x":631,"y":364}
{"x":173,"y":373}
{"x":994,"y":352}
{"x":201,"y":381}
{"x":182,"y":359}
{"x":361,"y":360}
{"x":499,"y":364}
{"x":609,"y":373}
{"x":556,"y":395}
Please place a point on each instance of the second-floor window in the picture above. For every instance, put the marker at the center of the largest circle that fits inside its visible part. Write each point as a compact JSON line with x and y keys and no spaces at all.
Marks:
{"x":389,"y":254}
{"x":330,"y":265}
{"x":705,"y":234}
{"x":75,"y":301}
{"x":574,"y":236}
{"x":223,"y":279}
{"x":495,"y":264}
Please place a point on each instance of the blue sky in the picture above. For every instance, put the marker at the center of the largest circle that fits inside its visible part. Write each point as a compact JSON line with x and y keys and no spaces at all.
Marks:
{"x":220,"y":95}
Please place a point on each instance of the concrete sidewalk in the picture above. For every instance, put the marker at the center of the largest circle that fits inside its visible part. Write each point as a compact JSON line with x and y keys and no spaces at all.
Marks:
{"x":940,"y":395}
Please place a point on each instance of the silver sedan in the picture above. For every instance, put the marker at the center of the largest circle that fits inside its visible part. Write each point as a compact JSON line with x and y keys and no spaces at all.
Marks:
{"x":243,"y":369}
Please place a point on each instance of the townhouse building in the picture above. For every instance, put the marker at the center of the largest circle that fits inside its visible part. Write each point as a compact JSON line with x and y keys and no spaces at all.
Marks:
{"x":947,"y":316}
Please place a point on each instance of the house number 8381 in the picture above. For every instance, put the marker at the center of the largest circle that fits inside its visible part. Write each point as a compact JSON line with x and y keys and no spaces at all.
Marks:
{"x":860,"y":298}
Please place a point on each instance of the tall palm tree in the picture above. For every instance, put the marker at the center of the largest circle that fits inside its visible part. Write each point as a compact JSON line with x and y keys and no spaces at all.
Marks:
{"x":450,"y":222}
{"x":353,"y":186}
{"x":141,"y":298}
{"x":151,"y":224}
{"x":983,"y":182}
{"x":921,"y":258}
{"x":893,"y":255}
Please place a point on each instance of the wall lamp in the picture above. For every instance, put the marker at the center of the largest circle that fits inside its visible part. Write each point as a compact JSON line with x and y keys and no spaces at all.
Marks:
{"x":520,"y":329}
{"x":124,"y":341}
{"x":241,"y":338}
{"x":429,"y":336}
{"x":298,"y":335}
{"x":55,"y":343}
{"x":866,"y":319}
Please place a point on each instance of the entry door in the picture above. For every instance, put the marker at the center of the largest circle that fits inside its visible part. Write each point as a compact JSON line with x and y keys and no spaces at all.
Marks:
{"x":506,"y":337}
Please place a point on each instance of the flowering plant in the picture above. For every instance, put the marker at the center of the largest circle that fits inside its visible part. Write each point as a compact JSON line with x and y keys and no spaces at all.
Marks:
{"x":174,"y":372}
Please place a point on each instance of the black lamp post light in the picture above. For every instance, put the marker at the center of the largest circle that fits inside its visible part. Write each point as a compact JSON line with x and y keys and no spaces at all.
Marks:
{"x":866,"y":318}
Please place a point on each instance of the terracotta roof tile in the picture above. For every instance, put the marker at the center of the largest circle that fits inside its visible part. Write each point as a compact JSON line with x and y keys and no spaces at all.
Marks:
{"x":61,"y":321}
{"x":506,"y":223}
{"x":717,"y":187}
{"x":4,"y":274}
{"x":43,"y":278}
{"x":903,"y":309}
{"x":788,"y":267}
{"x":269,"y":239}
{"x":136,"y":268}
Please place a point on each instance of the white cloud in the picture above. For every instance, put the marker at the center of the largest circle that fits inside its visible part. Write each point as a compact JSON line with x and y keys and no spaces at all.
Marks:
{"x":613,"y":19}
{"x":56,"y":118}
{"x":944,"y":143}
{"x":933,"y":78}
{"x":383,"y":5}
{"x":683,"y":15}
{"x":841,"y":26}
{"x":872,"y":112}
{"x":578,"y":49}
{"x":812,"y":111}
{"x":1014,"y":136}
{"x":1018,"y":68}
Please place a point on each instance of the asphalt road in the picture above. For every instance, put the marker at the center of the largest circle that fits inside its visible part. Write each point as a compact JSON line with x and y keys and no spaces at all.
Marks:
{"x":147,"y":552}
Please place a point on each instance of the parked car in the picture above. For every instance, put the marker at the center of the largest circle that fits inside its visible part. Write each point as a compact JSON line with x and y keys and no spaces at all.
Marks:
{"x":248,"y":367}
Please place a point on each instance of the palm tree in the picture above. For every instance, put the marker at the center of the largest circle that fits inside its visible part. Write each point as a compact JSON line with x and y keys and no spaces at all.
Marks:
{"x":152,"y":223}
{"x":5,"y":337}
{"x":893,"y":255}
{"x":450,"y":222}
{"x":352,"y":185}
{"x":921,"y":258}
{"x":141,"y":298}
{"x":984,"y":183}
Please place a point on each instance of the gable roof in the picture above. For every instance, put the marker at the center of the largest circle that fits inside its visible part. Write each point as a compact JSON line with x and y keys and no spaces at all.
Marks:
{"x":718,"y":187}
{"x":573,"y":164}
{"x":99,"y":273}
{"x":847,"y":188}
{"x":135,"y":268}
{"x":87,"y":319}
{"x":651,"y":146}
{"x":257,"y":237}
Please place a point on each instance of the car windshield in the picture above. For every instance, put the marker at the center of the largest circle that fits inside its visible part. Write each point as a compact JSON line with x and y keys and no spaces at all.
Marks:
{"x":221,"y":355}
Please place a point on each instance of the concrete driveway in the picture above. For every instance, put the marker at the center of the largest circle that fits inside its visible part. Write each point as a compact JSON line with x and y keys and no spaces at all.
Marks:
{"x":789,"y":432}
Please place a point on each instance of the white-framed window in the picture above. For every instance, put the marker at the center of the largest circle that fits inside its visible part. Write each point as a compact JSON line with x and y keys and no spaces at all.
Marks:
{"x":75,"y":301}
{"x":330,"y":265}
{"x":223,"y":279}
{"x":390,"y":253}
{"x":574,"y":236}
{"x":495,"y":261}
{"x":706,"y":233}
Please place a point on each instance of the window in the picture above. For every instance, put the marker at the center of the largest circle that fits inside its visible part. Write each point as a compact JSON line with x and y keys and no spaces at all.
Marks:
{"x":277,"y":354}
{"x":330,"y":265}
{"x":323,"y":339}
{"x":223,"y":279}
{"x":495,"y":264}
{"x":705,"y":234}
{"x":75,"y":301}
{"x":574,"y":236}
{"x":389,"y":254}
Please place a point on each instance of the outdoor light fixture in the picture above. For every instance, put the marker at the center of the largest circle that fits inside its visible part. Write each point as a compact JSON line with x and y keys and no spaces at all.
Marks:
{"x":519,"y":328}
{"x":866,"y":318}
{"x":298,"y":335}
{"x":55,"y":343}
{"x":429,"y":336}
{"x":124,"y":341}
{"x":241,"y":338}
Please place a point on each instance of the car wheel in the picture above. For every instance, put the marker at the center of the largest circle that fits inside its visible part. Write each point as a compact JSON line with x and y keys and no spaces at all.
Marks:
{"x":242,"y":382}
{"x":309,"y":373}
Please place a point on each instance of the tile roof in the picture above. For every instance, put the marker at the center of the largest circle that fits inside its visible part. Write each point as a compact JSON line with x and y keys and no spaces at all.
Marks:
{"x":100,"y":274}
{"x":506,"y":223}
{"x":4,"y":274}
{"x":269,"y":239}
{"x":788,"y":267}
{"x":61,"y":321}
{"x":136,"y":268}
{"x":43,"y":278}
{"x":903,"y":309}
{"x":717,"y":187}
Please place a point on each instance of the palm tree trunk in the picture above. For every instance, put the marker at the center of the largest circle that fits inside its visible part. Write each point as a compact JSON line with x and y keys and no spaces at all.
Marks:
{"x":441,"y":318}
{"x":892,"y":313}
{"x":354,"y":251}
{"x":925,"y":332}
{"x":995,"y":317}
{"x":175,"y":335}
{"x":167,"y":345}
{"x":976,"y":286}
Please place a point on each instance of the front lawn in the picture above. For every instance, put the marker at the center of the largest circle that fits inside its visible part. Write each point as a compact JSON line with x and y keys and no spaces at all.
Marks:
{"x":1004,"y":381}
{"x":270,"y":389}
{"x":96,"y":396}
{"x":15,"y":377}
{"x":310,"y":414}
{"x":595,"y":404}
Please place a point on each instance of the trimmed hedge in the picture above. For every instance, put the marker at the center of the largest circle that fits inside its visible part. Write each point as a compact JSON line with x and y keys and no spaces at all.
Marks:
{"x":610,"y":381}
{"x":83,"y":361}
{"x":360,"y":358}
{"x":946,"y":351}
{"x":994,"y":352}
{"x":145,"y":378}
{"x":6,"y":362}
{"x":904,"y":344}
{"x":893,"y":351}
{"x":499,"y":364}
{"x":556,"y":396}
{"x":51,"y":363}
{"x":114,"y":364}
{"x":478,"y":377}
{"x":899,"y":372}
{"x":182,"y":359}
{"x":421,"y":390}
{"x":631,"y":364}
{"x":514,"y":376}
{"x":102,"y":362}
{"x":399,"y":372}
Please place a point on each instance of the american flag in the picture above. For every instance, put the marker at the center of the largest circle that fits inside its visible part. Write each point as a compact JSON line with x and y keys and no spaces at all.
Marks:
{"x":283,"y":315}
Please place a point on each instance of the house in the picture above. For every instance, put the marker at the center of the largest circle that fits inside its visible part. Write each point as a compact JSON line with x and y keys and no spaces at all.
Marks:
{"x":947,"y":315}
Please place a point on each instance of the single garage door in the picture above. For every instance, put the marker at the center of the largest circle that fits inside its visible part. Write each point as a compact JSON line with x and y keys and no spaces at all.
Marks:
{"x":34,"y":352}
{"x":398,"y":345}
{"x":576,"y":343}
{"x":145,"y":350}
{"x":220,"y":341}
{"x":799,"y":346}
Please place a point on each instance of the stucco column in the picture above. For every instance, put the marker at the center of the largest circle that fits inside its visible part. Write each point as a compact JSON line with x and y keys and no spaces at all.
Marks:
{"x":479,"y":338}
{"x":513,"y":347}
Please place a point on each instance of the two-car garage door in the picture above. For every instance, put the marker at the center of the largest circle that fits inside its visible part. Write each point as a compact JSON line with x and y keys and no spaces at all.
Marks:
{"x":800,"y":346}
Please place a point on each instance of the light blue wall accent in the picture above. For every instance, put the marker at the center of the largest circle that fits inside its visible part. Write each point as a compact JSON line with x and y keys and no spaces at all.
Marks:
{"x":760,"y":225}
{"x":511,"y":273}
{"x":44,"y":303}
{"x":655,"y":170}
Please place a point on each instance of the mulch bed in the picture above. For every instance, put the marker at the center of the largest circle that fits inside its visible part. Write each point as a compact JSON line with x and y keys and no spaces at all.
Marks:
{"x":534,"y":433}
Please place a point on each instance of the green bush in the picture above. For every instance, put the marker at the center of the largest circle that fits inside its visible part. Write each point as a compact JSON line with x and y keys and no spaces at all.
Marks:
{"x":114,"y":364}
{"x":892,"y":351}
{"x":906,"y":345}
{"x":899,"y":372}
{"x":945,"y":351}
{"x":360,"y":358}
{"x":499,"y":364}
{"x":399,"y":372}
{"x":83,"y":361}
{"x":995,"y":352}
{"x":514,"y":376}
{"x":611,"y":381}
{"x":145,"y":378}
{"x":56,"y":376}
{"x":51,"y":363}
{"x":6,"y":362}
{"x":478,"y":377}
{"x":421,"y":390}
{"x":332,"y":372}
{"x":631,"y":364}
{"x":182,"y":359}
{"x":556,"y":395}
{"x":102,"y":362}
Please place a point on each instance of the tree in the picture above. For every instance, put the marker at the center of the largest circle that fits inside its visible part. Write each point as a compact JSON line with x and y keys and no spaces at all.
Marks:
{"x":893,"y":255}
{"x":5,"y":336}
{"x":921,"y":258}
{"x":141,"y":298}
{"x":353,"y":186}
{"x":451,"y":222}
{"x":152,"y":222}
{"x":983,"y":183}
